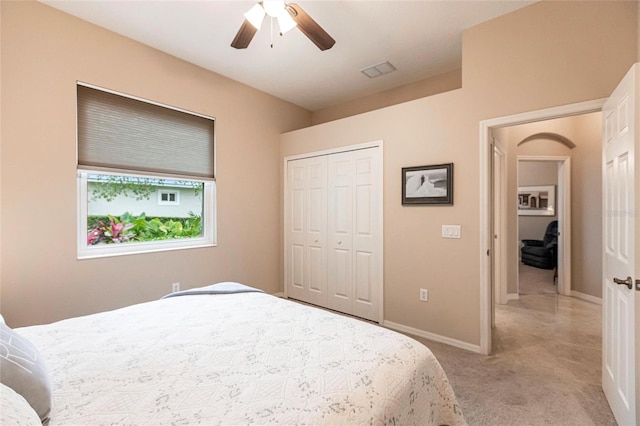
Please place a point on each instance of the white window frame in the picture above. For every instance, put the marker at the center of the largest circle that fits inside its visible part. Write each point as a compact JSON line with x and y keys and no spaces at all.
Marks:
{"x":209,"y":222}
{"x":162,"y":202}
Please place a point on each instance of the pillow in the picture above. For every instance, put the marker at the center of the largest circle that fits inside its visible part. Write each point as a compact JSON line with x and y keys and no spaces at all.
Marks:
{"x":23,"y":370}
{"x":15,"y":410}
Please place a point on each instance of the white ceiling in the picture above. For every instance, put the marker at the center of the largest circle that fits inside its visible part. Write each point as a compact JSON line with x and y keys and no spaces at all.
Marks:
{"x":420,"y":38}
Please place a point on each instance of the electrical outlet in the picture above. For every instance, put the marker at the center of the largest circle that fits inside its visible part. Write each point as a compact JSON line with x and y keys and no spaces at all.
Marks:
{"x":175,"y":287}
{"x":424,"y":294}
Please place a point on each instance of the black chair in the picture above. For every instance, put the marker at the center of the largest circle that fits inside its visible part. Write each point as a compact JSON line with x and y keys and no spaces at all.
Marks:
{"x":542,"y":253}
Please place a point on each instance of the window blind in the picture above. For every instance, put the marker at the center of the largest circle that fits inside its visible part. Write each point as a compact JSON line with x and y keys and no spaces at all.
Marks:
{"x":125,"y":134}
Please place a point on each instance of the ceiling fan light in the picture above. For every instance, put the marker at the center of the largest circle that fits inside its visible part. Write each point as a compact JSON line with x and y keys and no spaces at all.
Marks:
{"x":273,"y":7}
{"x":286,"y":22}
{"x":255,"y":16}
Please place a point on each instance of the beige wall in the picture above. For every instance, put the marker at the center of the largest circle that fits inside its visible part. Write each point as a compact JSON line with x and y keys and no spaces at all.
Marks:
{"x":508,"y":67}
{"x":415,"y":257}
{"x":430,"y":86}
{"x":43,"y":53}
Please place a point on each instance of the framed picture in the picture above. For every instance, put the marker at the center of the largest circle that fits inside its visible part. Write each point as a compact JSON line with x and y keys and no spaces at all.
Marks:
{"x":537,"y":200}
{"x":428,"y":184}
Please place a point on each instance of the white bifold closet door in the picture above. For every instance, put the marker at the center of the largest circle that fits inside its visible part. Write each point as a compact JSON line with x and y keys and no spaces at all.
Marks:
{"x":306,"y":224}
{"x":334,"y":231}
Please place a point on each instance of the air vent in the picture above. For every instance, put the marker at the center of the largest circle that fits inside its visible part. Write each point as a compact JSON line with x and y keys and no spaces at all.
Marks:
{"x":378,"y":70}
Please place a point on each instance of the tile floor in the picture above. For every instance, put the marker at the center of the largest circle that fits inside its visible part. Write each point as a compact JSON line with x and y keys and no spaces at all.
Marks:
{"x":546,"y":362}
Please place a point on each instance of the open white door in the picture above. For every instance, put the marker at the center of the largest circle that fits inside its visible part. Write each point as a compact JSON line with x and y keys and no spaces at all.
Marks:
{"x":620,"y":227}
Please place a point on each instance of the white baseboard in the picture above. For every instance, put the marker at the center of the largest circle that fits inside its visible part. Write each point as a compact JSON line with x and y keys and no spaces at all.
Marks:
{"x":587,"y":297}
{"x":431,"y":336}
{"x":513,"y":296}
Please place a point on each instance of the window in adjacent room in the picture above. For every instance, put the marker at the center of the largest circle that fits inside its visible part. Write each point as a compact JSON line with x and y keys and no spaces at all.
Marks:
{"x":145,"y":176}
{"x":169,"y":198}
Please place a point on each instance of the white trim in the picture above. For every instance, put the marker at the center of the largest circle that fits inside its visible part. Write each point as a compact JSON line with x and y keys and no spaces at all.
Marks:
{"x":500,"y":228}
{"x":564,"y":243}
{"x":380,"y":246}
{"x":431,"y":336}
{"x":485,"y":181}
{"x":513,"y":296}
{"x":587,"y":297}
{"x":209,"y":222}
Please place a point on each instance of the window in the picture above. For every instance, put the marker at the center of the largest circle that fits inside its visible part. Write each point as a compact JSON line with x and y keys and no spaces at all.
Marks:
{"x":169,"y":198}
{"x":145,"y":176}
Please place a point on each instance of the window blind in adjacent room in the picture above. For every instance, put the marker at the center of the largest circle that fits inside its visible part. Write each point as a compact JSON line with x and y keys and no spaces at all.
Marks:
{"x":129,"y":135}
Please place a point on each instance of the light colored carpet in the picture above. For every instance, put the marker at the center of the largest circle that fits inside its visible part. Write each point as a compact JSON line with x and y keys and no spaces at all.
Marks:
{"x":546,"y":362}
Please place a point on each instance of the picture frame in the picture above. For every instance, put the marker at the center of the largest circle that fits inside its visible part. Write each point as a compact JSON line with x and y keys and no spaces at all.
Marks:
{"x":537,"y":200}
{"x":430,"y":185}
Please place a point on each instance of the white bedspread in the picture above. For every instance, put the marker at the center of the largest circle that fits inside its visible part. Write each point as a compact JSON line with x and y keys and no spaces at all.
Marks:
{"x":238,"y":359}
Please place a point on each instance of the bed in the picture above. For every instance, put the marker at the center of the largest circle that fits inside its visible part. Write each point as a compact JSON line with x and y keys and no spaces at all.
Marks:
{"x":228,"y":355}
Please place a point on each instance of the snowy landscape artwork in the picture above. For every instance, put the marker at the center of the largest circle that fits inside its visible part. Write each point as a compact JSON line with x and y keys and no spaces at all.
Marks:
{"x":428,"y":184}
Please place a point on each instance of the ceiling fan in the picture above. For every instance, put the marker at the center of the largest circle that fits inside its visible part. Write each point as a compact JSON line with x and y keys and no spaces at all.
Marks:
{"x":288,"y":15}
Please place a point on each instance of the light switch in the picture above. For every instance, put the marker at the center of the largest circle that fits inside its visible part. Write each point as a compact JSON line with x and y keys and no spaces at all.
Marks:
{"x":451,"y":231}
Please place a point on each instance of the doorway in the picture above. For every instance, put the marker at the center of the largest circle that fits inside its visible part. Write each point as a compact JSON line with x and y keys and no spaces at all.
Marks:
{"x":487,"y":232}
{"x":552,"y":176}
{"x":515,"y":208}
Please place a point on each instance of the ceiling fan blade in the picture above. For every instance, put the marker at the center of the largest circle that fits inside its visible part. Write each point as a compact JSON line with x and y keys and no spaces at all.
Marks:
{"x":310,"y":28}
{"x":244,"y":35}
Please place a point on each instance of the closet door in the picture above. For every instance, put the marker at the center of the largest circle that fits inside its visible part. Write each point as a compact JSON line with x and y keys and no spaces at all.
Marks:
{"x":340,"y":280}
{"x":367,"y":236}
{"x":306,"y":234}
{"x":354,"y":227}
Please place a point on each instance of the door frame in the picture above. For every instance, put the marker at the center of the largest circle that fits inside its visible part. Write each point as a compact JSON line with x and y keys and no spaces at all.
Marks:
{"x":500,"y":212}
{"x":486,"y":203}
{"x":564,"y":217}
{"x":379,"y":246}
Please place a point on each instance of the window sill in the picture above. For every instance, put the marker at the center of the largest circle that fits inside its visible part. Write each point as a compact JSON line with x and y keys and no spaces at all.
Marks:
{"x":124,"y":249}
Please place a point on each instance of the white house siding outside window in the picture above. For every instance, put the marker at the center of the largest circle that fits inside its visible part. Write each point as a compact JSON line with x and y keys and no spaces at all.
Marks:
{"x":145,"y":176}
{"x":168,"y":198}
